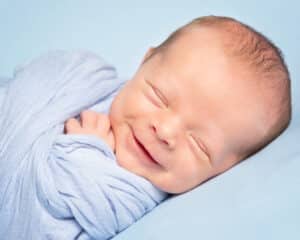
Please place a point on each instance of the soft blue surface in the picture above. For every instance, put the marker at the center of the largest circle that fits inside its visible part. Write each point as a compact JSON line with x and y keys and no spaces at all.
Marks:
{"x":259,"y":198}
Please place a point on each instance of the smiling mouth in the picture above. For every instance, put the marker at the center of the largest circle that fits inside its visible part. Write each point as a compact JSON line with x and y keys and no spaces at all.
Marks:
{"x":149,"y":156}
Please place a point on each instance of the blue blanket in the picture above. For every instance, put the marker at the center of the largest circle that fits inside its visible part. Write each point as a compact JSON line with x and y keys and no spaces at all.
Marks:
{"x":56,"y":186}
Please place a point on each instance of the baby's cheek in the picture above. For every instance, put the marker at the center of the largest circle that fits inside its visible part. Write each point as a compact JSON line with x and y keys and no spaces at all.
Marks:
{"x":136,"y":107}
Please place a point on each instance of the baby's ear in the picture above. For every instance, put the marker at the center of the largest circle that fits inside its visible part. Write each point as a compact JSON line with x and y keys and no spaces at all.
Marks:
{"x":148,"y":54}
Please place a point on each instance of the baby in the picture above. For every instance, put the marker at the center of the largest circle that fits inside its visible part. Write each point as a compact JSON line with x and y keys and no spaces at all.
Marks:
{"x":214,"y":93}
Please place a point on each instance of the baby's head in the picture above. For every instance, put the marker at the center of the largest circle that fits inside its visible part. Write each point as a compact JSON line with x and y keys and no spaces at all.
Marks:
{"x":215,"y":92}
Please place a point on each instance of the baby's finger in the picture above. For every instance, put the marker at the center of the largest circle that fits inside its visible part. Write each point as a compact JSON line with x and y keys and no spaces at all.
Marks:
{"x":88,"y":119}
{"x":72,"y":125}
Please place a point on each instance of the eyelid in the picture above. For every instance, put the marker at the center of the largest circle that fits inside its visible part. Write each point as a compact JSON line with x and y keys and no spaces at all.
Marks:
{"x":158,"y":93}
{"x":201,"y":146}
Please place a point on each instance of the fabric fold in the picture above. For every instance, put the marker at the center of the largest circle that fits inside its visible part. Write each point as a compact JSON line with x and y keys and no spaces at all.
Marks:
{"x":56,"y":186}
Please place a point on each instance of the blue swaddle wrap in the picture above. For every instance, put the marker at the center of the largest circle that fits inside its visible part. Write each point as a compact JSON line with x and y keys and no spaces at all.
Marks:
{"x":56,"y":186}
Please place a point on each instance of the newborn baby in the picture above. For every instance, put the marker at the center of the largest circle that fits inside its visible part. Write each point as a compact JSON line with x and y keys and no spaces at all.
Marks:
{"x":212,"y":94}
{"x":215,"y":92}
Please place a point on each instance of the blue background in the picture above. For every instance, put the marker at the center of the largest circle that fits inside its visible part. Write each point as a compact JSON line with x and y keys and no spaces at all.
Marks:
{"x":121,"y":31}
{"x":257,"y":199}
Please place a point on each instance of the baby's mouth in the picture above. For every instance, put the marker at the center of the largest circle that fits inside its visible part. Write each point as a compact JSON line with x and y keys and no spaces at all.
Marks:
{"x":144,"y":149}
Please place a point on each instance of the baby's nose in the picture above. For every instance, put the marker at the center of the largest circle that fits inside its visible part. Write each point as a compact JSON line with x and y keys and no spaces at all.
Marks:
{"x":167,"y":131}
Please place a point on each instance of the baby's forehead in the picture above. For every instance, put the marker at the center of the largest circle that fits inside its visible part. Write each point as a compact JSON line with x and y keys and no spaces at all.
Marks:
{"x":202,"y":64}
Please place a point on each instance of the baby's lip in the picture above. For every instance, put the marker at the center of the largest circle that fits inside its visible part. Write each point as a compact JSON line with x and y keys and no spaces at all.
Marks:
{"x":144,"y":148}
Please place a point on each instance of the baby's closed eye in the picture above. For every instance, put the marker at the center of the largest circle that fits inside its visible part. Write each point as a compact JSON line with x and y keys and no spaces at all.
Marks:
{"x":157,"y":95}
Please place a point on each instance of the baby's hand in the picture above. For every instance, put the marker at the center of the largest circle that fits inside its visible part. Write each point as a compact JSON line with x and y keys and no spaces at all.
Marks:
{"x":91,"y":123}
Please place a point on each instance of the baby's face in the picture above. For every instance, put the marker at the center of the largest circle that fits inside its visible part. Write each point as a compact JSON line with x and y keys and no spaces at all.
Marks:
{"x":181,"y":118}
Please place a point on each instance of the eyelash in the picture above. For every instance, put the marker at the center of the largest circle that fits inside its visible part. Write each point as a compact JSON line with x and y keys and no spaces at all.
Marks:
{"x":196,"y":143}
{"x":154,"y":91}
{"x":156,"y":95}
{"x":199,"y":147}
